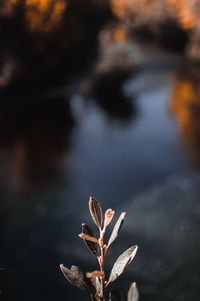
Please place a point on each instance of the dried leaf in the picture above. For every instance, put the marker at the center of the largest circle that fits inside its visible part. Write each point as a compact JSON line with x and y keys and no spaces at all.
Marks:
{"x":133,"y":294}
{"x":88,"y":237}
{"x":92,"y":246}
{"x":116,"y":228}
{"x":123,"y":260}
{"x":95,"y":211}
{"x":108,"y":217}
{"x":76,"y":277}
{"x":115,"y":296}
{"x":97,"y":284}
{"x":95,"y":274}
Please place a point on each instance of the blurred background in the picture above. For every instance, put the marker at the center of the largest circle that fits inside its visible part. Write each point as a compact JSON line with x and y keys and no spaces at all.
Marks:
{"x":99,"y":98}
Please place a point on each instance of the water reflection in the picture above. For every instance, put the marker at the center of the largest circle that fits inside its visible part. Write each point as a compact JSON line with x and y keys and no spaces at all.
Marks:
{"x":36,"y":138}
{"x":185,"y":105}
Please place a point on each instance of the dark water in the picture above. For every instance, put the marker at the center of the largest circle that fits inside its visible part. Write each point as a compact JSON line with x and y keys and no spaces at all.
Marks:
{"x":56,"y":153}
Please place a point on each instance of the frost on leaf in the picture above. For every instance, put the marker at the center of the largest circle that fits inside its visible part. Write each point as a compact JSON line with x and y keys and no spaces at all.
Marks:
{"x":133,"y":294}
{"x":123,"y":260}
{"x":76,"y":277}
{"x":116,"y":228}
{"x":97,"y":284}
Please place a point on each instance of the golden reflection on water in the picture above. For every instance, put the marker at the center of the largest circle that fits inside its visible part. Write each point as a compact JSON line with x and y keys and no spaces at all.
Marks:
{"x":185,"y":105}
{"x":44,"y":15}
{"x":35,"y":142}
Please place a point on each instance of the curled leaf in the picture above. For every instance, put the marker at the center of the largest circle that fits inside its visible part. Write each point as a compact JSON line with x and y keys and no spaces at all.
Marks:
{"x":95,"y":274}
{"x":97,"y":284}
{"x":75,"y":276}
{"x":116,"y":228}
{"x":123,"y":260}
{"x":133,"y":294}
{"x":88,"y":237}
{"x":108,"y":217}
{"x":95,"y":211}
{"x":92,"y":246}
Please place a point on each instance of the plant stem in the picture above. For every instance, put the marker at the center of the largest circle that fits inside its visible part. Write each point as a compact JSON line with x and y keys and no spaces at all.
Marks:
{"x":102,"y":270}
{"x":101,"y":263}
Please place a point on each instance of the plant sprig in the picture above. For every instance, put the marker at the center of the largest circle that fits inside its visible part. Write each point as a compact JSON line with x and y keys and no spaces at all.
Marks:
{"x":95,"y":282}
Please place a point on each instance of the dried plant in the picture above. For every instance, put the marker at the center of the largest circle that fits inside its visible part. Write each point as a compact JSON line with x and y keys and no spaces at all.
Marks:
{"x":95,"y":282}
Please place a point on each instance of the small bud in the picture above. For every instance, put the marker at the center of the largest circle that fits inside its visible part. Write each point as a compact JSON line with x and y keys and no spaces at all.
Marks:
{"x":108,"y":217}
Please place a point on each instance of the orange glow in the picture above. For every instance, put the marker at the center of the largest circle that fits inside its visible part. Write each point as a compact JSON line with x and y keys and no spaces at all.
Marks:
{"x":185,"y":105}
{"x":113,"y":34}
{"x":120,"y":7}
{"x":44,"y":15}
{"x":119,"y":34}
{"x":185,"y":12}
{"x":184,"y":97}
{"x":141,"y":11}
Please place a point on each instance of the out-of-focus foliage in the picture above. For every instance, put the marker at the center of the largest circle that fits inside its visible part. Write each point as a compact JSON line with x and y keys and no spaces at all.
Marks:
{"x":185,"y":12}
{"x":44,"y":15}
{"x":165,"y":20}
{"x":45,"y":41}
{"x":8,"y":7}
{"x":140,"y":10}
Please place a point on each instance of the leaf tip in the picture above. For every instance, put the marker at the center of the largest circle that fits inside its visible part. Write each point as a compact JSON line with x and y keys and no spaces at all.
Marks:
{"x":109,"y":214}
{"x":133,"y":294}
{"x":91,"y":199}
{"x":95,"y":211}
